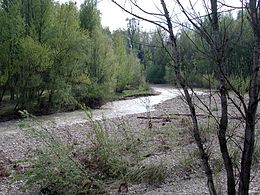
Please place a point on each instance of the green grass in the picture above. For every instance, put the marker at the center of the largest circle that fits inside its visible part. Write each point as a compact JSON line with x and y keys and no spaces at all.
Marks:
{"x":134,"y":93}
{"x":115,"y":154}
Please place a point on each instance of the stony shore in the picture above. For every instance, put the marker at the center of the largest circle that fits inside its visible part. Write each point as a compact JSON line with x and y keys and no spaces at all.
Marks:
{"x":15,"y":146}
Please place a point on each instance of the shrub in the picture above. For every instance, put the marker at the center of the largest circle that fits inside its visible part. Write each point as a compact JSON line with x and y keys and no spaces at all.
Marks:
{"x":55,"y":168}
{"x":152,"y":173}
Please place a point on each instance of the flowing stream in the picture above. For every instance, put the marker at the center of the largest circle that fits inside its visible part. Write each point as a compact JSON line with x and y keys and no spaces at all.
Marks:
{"x":109,"y":110}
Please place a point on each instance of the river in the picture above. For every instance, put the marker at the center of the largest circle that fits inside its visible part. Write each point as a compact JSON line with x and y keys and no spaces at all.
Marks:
{"x":109,"y":110}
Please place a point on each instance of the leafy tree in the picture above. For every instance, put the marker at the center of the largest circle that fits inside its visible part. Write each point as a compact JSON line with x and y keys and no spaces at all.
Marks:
{"x":122,"y":69}
{"x":67,"y":43}
{"x":159,"y":59}
{"x":34,"y":60}
{"x":101,"y":66}
{"x":89,"y":16}
{"x":11,"y":30}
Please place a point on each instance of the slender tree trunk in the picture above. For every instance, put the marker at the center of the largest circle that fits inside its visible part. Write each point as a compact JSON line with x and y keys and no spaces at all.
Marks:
{"x":217,"y":51}
{"x":12,"y":94}
{"x":2,"y":95}
{"x":231,"y":186}
{"x":196,"y":134}
{"x":249,"y":140}
{"x":182,"y":83}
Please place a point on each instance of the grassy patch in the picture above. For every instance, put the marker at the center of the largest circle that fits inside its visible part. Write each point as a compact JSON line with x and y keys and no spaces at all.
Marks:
{"x":151,"y":174}
{"x":133,"y":93}
{"x":115,"y":154}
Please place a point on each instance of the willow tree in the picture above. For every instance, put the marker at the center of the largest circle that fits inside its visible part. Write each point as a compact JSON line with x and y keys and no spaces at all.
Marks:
{"x":11,"y":30}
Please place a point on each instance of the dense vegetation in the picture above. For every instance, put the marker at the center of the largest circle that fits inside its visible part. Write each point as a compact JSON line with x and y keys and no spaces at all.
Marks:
{"x":55,"y":56}
{"x":197,"y":65}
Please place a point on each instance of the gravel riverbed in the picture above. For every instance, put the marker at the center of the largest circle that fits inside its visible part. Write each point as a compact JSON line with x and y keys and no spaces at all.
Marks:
{"x":15,"y":146}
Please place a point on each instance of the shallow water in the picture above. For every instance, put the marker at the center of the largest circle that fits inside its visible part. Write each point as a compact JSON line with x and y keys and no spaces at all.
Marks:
{"x":137,"y":105}
{"x":109,"y":110}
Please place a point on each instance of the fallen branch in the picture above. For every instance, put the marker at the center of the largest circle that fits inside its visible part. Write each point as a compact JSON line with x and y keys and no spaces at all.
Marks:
{"x":175,"y":115}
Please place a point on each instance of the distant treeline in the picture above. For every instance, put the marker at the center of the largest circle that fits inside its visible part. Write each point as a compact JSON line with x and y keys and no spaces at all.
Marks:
{"x":197,"y":65}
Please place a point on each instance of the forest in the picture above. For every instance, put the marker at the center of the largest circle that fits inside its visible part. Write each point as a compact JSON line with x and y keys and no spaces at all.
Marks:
{"x":56,"y":57}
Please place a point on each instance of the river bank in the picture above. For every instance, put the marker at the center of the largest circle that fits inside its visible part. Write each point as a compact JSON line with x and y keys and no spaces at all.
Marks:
{"x":168,"y":134}
{"x":7,"y":111}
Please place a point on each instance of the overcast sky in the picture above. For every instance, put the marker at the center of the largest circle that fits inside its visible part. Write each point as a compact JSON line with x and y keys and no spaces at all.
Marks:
{"x":114,"y":18}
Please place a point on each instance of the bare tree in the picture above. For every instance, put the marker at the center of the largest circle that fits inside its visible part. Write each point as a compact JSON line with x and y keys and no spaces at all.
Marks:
{"x":220,"y":47}
{"x":175,"y":54}
{"x":218,"y":50}
{"x":253,"y":9}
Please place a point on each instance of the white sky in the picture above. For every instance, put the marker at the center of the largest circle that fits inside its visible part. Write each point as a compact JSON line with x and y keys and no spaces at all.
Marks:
{"x":114,"y":18}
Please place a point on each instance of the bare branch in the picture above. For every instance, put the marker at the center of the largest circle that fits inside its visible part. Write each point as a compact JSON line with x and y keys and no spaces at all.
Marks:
{"x":144,"y":11}
{"x":157,"y":23}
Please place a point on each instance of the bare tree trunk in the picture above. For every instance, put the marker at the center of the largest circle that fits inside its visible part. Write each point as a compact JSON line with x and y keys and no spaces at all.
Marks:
{"x":217,"y":51}
{"x":182,"y":83}
{"x":231,"y":186}
{"x":2,"y":94}
{"x":249,"y":139}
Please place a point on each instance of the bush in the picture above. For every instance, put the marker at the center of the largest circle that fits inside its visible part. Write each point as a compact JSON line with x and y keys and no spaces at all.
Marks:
{"x":114,"y":155}
{"x":92,"y":96}
{"x":152,"y":174}
{"x":116,"y":152}
{"x":56,"y":169}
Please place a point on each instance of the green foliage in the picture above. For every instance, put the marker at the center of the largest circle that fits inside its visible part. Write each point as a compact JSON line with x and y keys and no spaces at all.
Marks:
{"x":89,"y":16}
{"x":239,"y":83}
{"x":55,"y":170}
{"x":57,"y":173}
{"x":11,"y":29}
{"x":118,"y":155}
{"x":156,"y":59}
{"x":196,"y":63}
{"x":123,"y":70}
{"x":152,"y":174}
{"x":128,"y":68}
{"x":34,"y":60}
{"x":102,"y":61}
{"x":113,"y":155}
{"x":169,"y":75}
{"x":54,"y":56}
{"x":116,"y":152}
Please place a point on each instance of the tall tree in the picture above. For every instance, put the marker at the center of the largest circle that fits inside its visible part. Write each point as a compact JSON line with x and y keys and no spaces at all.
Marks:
{"x":89,"y":16}
{"x":11,"y":29}
{"x":68,"y":44}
